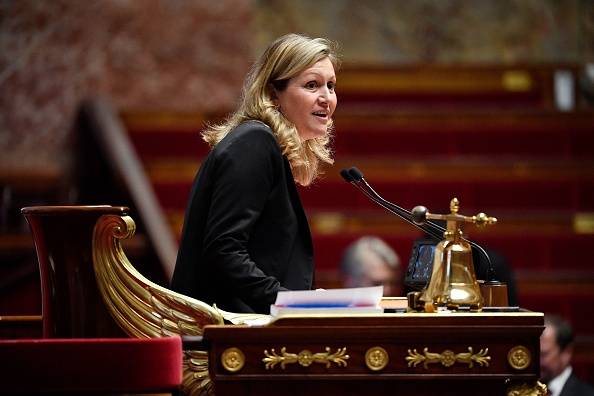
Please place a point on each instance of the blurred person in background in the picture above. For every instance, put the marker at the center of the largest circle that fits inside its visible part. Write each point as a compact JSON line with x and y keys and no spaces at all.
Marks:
{"x":369,"y":261}
{"x":556,"y":353}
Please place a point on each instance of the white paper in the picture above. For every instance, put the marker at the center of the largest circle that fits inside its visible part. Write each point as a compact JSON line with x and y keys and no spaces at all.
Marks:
{"x":352,"y":297}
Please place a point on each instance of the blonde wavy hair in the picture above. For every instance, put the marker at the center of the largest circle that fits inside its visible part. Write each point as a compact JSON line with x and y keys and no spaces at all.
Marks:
{"x":283,"y":59}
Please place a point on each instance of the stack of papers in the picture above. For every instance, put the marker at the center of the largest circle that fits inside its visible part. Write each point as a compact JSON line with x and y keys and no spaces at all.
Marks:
{"x":352,"y":301}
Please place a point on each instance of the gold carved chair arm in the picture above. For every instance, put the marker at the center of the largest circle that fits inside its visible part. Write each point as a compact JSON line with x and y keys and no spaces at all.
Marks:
{"x":141,"y":307}
{"x":144,"y":309}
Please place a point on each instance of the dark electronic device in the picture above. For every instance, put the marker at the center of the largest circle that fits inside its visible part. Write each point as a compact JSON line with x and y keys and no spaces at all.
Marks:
{"x":420,"y":263}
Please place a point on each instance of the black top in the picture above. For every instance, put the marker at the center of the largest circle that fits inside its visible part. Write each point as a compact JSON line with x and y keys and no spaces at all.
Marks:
{"x":576,"y":387}
{"x":245,"y":234}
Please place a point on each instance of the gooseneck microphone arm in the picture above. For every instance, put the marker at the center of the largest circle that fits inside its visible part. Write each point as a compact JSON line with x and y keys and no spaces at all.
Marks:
{"x":355,"y":177}
{"x":358,"y":177}
{"x":398,"y":211}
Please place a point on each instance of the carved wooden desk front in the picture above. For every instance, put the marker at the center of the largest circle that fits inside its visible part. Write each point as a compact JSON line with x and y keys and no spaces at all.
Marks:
{"x":390,"y":354}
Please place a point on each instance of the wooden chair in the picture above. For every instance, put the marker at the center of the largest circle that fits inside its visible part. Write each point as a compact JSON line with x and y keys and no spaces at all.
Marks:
{"x":82,"y":349}
{"x":71,"y":304}
{"x":91,"y":290}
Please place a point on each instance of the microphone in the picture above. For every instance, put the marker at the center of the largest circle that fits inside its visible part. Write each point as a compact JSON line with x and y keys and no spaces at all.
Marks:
{"x":417,"y":217}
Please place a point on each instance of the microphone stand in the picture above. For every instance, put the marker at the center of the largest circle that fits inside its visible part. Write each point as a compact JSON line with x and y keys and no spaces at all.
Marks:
{"x":417,"y":217}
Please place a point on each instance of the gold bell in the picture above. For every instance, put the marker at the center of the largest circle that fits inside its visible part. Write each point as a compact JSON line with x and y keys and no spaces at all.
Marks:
{"x":453,"y":281}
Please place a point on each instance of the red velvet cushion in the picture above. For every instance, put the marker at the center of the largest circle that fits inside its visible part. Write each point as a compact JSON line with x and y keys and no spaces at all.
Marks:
{"x":100,"y":365}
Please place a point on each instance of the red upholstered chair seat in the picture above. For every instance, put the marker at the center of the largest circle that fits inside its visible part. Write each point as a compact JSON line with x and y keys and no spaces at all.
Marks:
{"x":127,"y":365}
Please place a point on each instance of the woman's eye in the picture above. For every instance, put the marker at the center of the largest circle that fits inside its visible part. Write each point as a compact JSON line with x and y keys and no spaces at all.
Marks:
{"x":311,"y":85}
{"x":331,"y":86}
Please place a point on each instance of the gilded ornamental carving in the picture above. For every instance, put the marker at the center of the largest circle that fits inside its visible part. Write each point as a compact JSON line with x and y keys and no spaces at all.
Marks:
{"x":305,"y":358}
{"x":526,"y":389}
{"x":519,"y":357}
{"x":448,"y":358}
{"x":233,"y":360}
{"x":376,"y":358}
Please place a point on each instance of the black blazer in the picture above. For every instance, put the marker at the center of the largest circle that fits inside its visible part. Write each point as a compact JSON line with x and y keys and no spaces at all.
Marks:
{"x":245,"y":234}
{"x":576,"y":387}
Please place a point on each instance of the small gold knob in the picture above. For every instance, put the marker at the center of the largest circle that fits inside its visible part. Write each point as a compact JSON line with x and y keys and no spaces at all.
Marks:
{"x":519,"y":357}
{"x":376,"y":358}
{"x":233,"y":360}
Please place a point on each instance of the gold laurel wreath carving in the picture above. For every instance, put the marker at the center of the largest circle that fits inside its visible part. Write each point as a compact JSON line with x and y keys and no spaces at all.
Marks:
{"x":196,"y":378}
{"x":448,"y":358}
{"x":305,"y":358}
{"x":526,"y":389}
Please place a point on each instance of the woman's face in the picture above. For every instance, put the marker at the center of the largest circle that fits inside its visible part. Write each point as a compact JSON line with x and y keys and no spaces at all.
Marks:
{"x":309,"y":100}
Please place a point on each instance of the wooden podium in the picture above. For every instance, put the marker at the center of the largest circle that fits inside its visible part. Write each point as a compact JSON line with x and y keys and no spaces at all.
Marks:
{"x":390,"y":354}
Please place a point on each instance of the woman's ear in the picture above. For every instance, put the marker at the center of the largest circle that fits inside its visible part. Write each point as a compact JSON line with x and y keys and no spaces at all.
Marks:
{"x":272,"y":92}
{"x":273,"y":96}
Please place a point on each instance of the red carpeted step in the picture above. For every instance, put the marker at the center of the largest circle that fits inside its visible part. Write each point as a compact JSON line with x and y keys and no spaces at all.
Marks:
{"x":328,"y":249}
{"x":528,"y":252}
{"x":150,"y":144}
{"x":486,"y":195}
{"x":561,"y":293}
{"x":465,"y":134}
